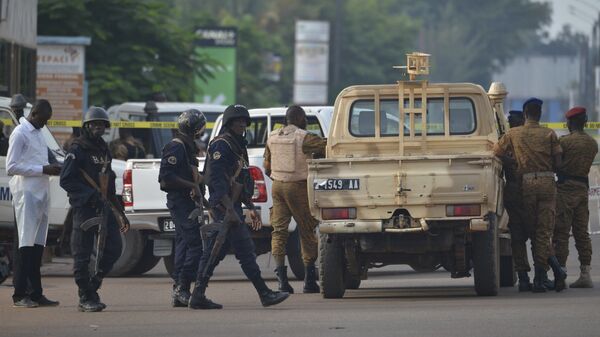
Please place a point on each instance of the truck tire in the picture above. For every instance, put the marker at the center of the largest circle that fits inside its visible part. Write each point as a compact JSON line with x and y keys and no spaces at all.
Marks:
{"x":508,"y":275}
{"x":352,"y":281}
{"x":169,"y":262}
{"x":294,"y":255}
{"x":332,"y":267}
{"x":485,"y":255}
{"x":147,"y":261}
{"x":133,"y":249}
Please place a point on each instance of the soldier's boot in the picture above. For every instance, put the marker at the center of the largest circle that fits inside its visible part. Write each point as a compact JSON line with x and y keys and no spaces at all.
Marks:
{"x":538,"y":280}
{"x":87,"y":302}
{"x":267,"y":296}
{"x":95,"y":284}
{"x":198,"y":300}
{"x":282,"y":277}
{"x":181,"y":295}
{"x":559,"y":274}
{"x":310,"y":280}
{"x":524,"y":281}
{"x":584,"y":280}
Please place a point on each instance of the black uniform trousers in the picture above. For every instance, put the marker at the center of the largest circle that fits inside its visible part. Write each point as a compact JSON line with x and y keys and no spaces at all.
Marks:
{"x":83,"y":244}
{"x":188,"y":243}
{"x":239,"y":239}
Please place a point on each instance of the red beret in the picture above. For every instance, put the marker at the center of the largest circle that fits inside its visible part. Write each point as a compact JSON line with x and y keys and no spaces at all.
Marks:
{"x":575,"y":111}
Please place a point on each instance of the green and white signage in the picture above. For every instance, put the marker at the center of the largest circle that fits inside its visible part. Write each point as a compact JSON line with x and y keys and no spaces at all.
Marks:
{"x":218,"y":43}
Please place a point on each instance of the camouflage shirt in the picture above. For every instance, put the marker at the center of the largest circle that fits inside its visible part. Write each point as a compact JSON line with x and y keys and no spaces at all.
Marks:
{"x":312,"y":145}
{"x":533,"y":146}
{"x":579,"y":150}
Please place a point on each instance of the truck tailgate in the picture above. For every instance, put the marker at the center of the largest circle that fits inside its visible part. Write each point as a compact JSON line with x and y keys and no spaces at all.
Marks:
{"x":421,"y":185}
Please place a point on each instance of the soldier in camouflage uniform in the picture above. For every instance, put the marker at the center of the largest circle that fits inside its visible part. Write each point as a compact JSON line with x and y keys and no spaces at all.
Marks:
{"x":579,"y":150}
{"x":520,"y":231}
{"x":285,"y":158}
{"x":537,"y":152}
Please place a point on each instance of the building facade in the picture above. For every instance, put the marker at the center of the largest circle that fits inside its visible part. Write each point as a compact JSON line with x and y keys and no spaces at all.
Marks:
{"x":18,"y":41}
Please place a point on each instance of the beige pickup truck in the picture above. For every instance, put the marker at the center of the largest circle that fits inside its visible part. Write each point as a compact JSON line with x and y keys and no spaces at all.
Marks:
{"x":409,"y":178}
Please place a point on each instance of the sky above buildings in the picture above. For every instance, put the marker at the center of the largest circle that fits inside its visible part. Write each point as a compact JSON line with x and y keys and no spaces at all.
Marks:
{"x":580,"y":14}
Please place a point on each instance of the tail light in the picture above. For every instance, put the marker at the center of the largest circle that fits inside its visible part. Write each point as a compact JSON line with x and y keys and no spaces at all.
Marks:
{"x":463,"y":210}
{"x":338,"y":213}
{"x":260,"y":188}
{"x":127,"y":189}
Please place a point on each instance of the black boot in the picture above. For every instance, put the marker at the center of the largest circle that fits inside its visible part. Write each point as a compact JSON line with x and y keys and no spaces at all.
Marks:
{"x":181,"y":295}
{"x":284,"y":284}
{"x":86,"y":301}
{"x":310,"y":280}
{"x":269,"y":297}
{"x":95,"y":284}
{"x":198,"y":300}
{"x":539,"y":279}
{"x":524,"y":282}
{"x":559,"y":274}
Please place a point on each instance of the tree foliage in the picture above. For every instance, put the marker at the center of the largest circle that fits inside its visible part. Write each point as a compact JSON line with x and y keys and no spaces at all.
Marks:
{"x":141,"y":46}
{"x":137,"y":47}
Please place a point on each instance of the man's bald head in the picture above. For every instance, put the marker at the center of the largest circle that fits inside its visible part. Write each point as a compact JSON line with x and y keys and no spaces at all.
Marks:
{"x":295,"y":115}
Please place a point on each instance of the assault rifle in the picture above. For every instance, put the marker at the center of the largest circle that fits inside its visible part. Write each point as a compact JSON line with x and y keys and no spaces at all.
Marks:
{"x":222,"y":228}
{"x":198,"y":199}
{"x":101,"y":222}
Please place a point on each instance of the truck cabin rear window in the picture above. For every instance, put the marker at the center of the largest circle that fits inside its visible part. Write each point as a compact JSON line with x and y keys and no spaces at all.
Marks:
{"x":461,"y":117}
{"x":256,"y":133}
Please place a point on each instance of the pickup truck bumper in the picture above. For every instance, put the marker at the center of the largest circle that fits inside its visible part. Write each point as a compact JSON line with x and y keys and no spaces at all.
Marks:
{"x":376,"y":226}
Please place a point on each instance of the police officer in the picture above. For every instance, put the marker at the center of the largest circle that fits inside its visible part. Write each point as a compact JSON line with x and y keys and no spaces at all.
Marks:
{"x":227,"y":159}
{"x":520,"y":231}
{"x":89,"y":156}
{"x":287,"y":166}
{"x":178,"y":169}
{"x":538,"y":154}
{"x":579,"y":150}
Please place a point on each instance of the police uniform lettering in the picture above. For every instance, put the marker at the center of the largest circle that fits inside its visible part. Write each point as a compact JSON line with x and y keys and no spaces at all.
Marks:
{"x":90,"y":160}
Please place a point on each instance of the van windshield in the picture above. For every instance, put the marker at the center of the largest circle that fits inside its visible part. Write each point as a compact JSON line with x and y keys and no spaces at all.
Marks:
{"x":462,"y":117}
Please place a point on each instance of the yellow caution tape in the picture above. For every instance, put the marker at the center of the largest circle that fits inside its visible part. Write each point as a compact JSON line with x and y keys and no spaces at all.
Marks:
{"x":116,"y":124}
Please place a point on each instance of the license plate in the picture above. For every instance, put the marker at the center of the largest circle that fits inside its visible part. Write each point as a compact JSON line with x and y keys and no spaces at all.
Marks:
{"x":167,"y":224}
{"x":336,"y":184}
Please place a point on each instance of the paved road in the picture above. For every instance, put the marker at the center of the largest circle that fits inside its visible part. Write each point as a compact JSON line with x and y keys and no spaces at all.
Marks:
{"x":394,"y":302}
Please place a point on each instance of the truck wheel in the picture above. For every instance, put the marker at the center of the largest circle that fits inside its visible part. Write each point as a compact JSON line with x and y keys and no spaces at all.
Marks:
{"x":133,"y":249}
{"x":294,"y":255}
{"x":332,"y":267}
{"x":147,"y":261}
{"x":169,"y":262}
{"x":485,"y":255}
{"x":508,"y":275}
{"x":4,"y":267}
{"x":352,"y":281}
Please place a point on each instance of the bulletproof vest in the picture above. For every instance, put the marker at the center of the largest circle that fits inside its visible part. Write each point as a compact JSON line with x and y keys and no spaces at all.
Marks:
{"x":288,"y":162}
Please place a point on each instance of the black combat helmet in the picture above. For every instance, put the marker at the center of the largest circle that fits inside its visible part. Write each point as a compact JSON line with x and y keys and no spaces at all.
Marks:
{"x":236,"y":111}
{"x":191,"y":121}
{"x":96,"y":113}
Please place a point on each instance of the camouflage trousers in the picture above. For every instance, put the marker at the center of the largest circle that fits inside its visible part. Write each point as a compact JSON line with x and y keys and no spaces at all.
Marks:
{"x":520,"y":231}
{"x":290,"y":199}
{"x":539,"y":203}
{"x":572,"y":214}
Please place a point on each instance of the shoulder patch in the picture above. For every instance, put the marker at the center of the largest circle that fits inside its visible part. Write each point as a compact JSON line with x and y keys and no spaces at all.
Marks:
{"x":172,"y":160}
{"x":216,"y":155}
